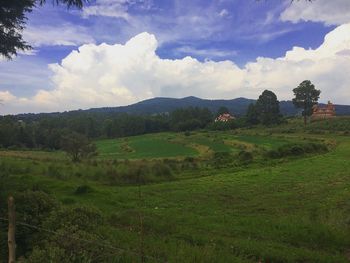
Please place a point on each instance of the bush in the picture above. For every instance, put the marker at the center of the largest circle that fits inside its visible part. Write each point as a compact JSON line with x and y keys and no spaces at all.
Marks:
{"x":223,"y":126}
{"x":161,"y":170}
{"x":83,"y":189}
{"x":221,"y":159}
{"x":32,"y":207}
{"x":71,"y":227}
{"x":297,"y":149}
{"x":245,"y":157}
{"x":187,"y":133}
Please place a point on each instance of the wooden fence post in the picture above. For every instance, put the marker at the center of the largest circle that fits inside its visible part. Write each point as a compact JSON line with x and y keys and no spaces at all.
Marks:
{"x":11,"y":231}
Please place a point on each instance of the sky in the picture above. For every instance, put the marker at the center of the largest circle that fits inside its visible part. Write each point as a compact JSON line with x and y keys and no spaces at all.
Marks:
{"x":118,"y":52}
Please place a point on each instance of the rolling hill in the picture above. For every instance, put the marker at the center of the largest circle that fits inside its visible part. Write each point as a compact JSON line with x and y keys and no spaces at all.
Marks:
{"x":160,"y":105}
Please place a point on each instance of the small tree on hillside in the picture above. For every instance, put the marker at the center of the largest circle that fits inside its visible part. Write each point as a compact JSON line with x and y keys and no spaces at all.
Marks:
{"x":268,"y":109}
{"x":78,"y":146}
{"x":306,"y":96}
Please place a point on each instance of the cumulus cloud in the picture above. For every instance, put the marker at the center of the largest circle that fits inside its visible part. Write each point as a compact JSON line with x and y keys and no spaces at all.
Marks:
{"x":335,"y":12}
{"x":113,"y":75}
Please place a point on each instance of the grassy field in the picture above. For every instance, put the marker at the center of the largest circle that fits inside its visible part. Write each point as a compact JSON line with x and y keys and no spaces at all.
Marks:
{"x":167,"y":145}
{"x":293,"y":209}
{"x":139,"y":147}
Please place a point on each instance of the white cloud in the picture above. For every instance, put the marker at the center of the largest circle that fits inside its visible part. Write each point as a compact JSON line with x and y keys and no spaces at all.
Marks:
{"x":329,"y":12}
{"x":112,"y":8}
{"x":64,"y":35}
{"x":112,"y":75}
{"x":224,"y":13}
{"x":209,"y":53}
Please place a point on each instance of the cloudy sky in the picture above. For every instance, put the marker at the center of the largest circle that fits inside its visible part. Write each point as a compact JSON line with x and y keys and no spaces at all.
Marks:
{"x":117,"y":52}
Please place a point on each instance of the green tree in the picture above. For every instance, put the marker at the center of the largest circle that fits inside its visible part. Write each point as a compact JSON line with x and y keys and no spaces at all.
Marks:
{"x":252,"y":116}
{"x":13,"y":20}
{"x":306,"y":96}
{"x":78,"y":146}
{"x":268,"y":108}
{"x":222,"y":110}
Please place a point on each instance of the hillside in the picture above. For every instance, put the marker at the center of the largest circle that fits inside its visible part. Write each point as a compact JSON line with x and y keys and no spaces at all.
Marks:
{"x":159,"y":105}
{"x":276,"y":194}
{"x":237,"y":106}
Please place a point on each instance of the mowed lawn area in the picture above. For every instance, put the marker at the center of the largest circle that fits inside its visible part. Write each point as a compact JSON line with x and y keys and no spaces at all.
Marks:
{"x":296,"y":210}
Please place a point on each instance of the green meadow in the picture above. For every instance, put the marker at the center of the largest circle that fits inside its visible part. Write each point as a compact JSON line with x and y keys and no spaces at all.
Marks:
{"x":172,"y":145}
{"x":205,"y":196}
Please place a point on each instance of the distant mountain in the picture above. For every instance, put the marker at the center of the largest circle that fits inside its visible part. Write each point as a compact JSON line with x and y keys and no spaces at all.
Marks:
{"x":163,"y":105}
{"x":236,"y":106}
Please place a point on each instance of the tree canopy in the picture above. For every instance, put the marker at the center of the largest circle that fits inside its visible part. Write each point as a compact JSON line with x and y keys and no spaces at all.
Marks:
{"x":222,"y":110}
{"x":268,"y":109}
{"x":13,"y":18}
{"x":306,"y":96}
{"x":252,"y":115}
{"x":77,"y":146}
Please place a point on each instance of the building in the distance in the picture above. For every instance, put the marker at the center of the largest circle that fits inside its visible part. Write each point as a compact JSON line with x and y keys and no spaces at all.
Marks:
{"x":322,"y":113}
{"x":225,"y":117}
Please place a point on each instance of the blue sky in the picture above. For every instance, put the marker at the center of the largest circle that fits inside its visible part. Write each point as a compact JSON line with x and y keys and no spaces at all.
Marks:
{"x":233,"y":39}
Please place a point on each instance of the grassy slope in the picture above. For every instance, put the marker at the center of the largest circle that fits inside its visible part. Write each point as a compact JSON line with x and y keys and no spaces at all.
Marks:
{"x":296,"y":211}
{"x":167,"y":145}
{"x":146,"y":146}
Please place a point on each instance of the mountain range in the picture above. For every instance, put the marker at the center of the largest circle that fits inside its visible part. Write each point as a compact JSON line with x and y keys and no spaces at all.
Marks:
{"x":161,"y":105}
{"x":236,"y":106}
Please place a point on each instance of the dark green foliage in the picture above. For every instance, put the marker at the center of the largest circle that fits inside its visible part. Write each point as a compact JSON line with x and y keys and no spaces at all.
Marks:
{"x":223,"y":125}
{"x":55,"y":171}
{"x":12,"y":21}
{"x":306,"y":96}
{"x":161,"y":170}
{"x":338,"y":124}
{"x":33,"y":207}
{"x":252,"y":115}
{"x":83,"y":189}
{"x":83,"y":218}
{"x":189,"y":119}
{"x":72,"y":238}
{"x":222,"y":110}
{"x":187,"y":133}
{"x":267,"y":107}
{"x":46,"y":131}
{"x":221,"y":159}
{"x":13,"y":17}
{"x":297,"y":149}
{"x":77,"y":146}
{"x":245,"y":157}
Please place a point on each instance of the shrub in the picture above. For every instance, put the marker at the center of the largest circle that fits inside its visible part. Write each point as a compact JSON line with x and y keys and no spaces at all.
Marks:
{"x":221,"y":158}
{"x":83,"y":189}
{"x":187,"y":133}
{"x":245,"y":157}
{"x":55,"y":171}
{"x":71,"y":227}
{"x":161,"y":170}
{"x":297,"y":149}
{"x":32,"y":207}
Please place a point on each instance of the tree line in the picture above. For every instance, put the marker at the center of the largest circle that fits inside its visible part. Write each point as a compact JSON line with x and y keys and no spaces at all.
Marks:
{"x":48,"y":131}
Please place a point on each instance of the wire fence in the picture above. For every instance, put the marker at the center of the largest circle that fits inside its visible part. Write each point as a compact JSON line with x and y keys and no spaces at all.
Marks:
{"x":118,"y":250}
